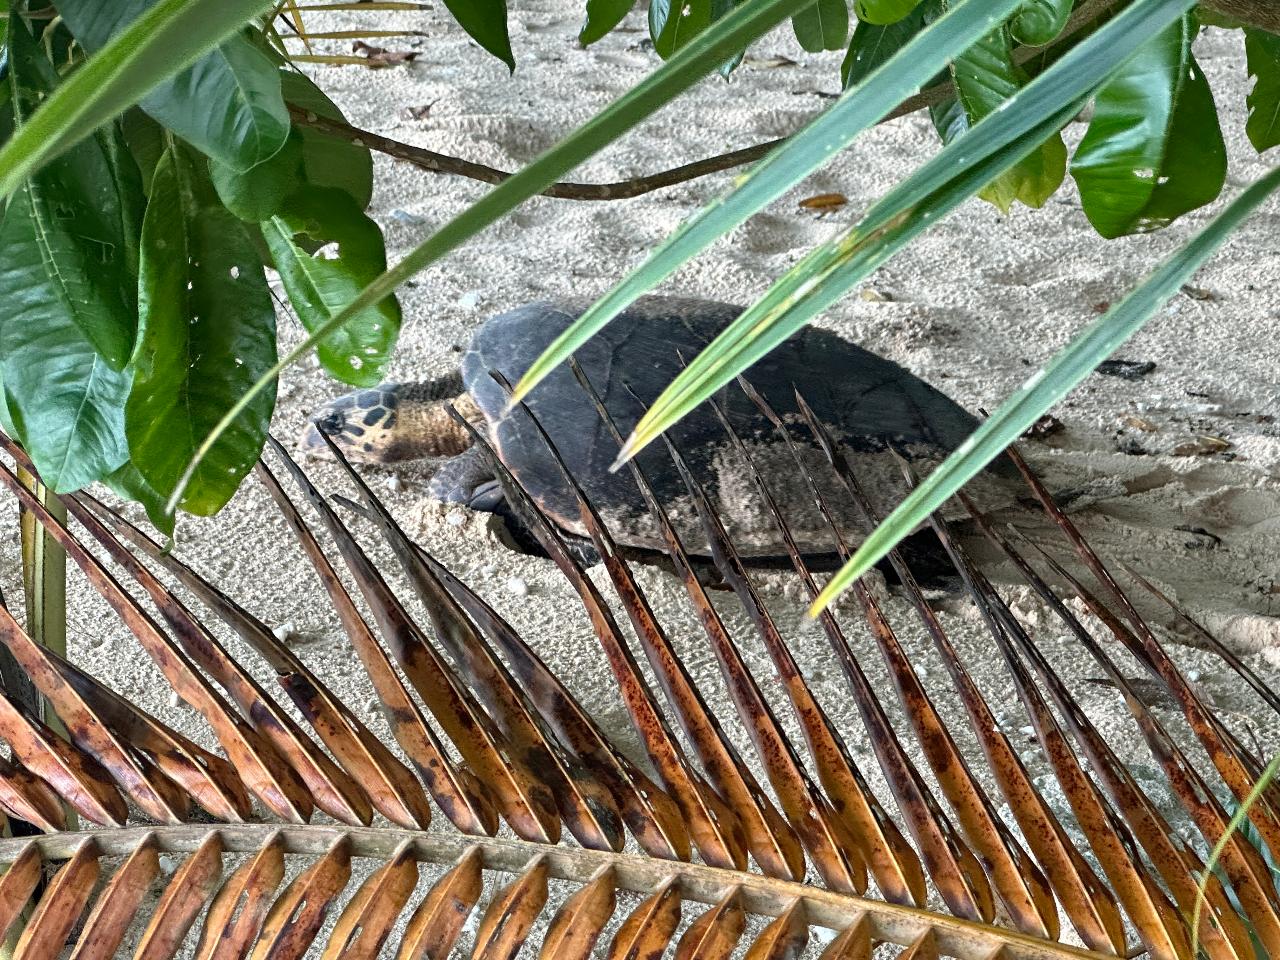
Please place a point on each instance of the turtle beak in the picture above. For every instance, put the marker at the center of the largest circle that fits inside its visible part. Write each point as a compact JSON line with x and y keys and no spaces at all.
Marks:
{"x":326,"y":422}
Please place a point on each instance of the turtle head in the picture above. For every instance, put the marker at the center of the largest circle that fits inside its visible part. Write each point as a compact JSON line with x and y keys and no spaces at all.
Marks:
{"x":392,"y":422}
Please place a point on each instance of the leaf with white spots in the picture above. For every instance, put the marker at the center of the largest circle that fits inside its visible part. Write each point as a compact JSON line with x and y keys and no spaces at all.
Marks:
{"x":207,"y":332}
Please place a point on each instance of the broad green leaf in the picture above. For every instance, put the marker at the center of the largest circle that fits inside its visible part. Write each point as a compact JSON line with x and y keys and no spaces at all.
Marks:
{"x":329,"y":161}
{"x":918,"y":202}
{"x":857,"y":109}
{"x":985,"y":76}
{"x":673,"y":23}
{"x":1040,"y":21}
{"x":872,"y":45}
{"x":321,"y":284}
{"x":1153,"y":150}
{"x":1262,"y":53}
{"x":146,"y":142}
{"x":79,"y":223}
{"x":1093,"y":345}
{"x":823,"y":26}
{"x":602,"y":17}
{"x":228,"y":104}
{"x":310,"y":159}
{"x":163,"y":41}
{"x":260,"y":192}
{"x":128,"y":483}
{"x":65,"y":403}
{"x":883,"y":11}
{"x":738,"y":29}
{"x":486,"y":23}
{"x":6,"y":420}
{"x":207,"y":332}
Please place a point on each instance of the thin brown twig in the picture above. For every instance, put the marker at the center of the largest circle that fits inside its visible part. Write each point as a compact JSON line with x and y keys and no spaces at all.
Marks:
{"x":636,"y":186}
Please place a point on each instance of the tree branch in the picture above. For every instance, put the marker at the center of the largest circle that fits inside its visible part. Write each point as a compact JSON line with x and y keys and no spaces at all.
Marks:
{"x":1263,"y":14}
{"x":425,"y":159}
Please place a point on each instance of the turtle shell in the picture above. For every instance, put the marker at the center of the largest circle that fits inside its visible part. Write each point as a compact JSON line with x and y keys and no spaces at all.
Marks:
{"x":867,"y":402}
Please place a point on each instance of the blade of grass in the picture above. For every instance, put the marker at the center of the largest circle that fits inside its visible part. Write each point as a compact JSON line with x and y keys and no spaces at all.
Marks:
{"x":1049,"y":385}
{"x":699,"y":57}
{"x":859,"y":108}
{"x":166,"y":39}
{"x":1237,"y":821}
{"x":934,"y":190}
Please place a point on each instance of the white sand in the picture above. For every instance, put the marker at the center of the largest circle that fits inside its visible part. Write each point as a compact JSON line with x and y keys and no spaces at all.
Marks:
{"x":974,"y":307}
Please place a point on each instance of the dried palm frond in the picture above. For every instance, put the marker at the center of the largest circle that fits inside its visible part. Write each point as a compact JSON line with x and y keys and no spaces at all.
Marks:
{"x":772,"y":845}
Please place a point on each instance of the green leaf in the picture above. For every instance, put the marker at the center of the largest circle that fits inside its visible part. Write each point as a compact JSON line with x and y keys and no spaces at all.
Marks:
{"x":602,"y":17}
{"x":985,"y":77}
{"x":673,"y":23}
{"x":883,"y":12}
{"x":128,"y":483}
{"x":260,"y":192}
{"x":857,"y":109}
{"x":738,"y":28}
{"x":1039,"y":21}
{"x":486,"y":23}
{"x":65,"y":403}
{"x":872,"y":45}
{"x":6,"y":419}
{"x":228,"y":104}
{"x":929,"y":194}
{"x":823,"y":26}
{"x":321,"y":284}
{"x":146,"y":142}
{"x":1153,"y":150}
{"x":1262,"y":53}
{"x":329,"y":161}
{"x":1093,"y":345}
{"x":207,"y":333}
{"x":310,"y":159}
{"x":81,"y":223}
{"x":165,"y":40}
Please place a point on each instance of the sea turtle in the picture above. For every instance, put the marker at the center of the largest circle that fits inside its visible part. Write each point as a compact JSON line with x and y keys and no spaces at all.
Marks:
{"x":869,"y":404}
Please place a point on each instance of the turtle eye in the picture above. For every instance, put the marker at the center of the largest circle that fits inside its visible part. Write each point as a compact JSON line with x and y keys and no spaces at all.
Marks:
{"x":331,"y":424}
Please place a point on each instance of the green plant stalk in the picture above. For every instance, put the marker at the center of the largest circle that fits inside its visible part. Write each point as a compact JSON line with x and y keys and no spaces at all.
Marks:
{"x":44,"y":573}
{"x":700,"y":56}
{"x":44,"y":584}
{"x":860,"y":107}
{"x":1233,"y":826}
{"x":1046,"y":387}
{"x":163,"y":41}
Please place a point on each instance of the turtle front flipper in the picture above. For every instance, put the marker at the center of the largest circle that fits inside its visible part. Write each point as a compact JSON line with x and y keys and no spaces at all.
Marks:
{"x":464,"y":479}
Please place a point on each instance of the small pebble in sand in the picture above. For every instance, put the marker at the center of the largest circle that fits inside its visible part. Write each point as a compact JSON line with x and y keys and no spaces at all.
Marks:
{"x":395,"y":484}
{"x":175,"y":701}
{"x":488,"y":570}
{"x":405,"y":217}
{"x":455,"y":518}
{"x":285,"y":631}
{"x":517,"y":586}
{"x":469,"y":300}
